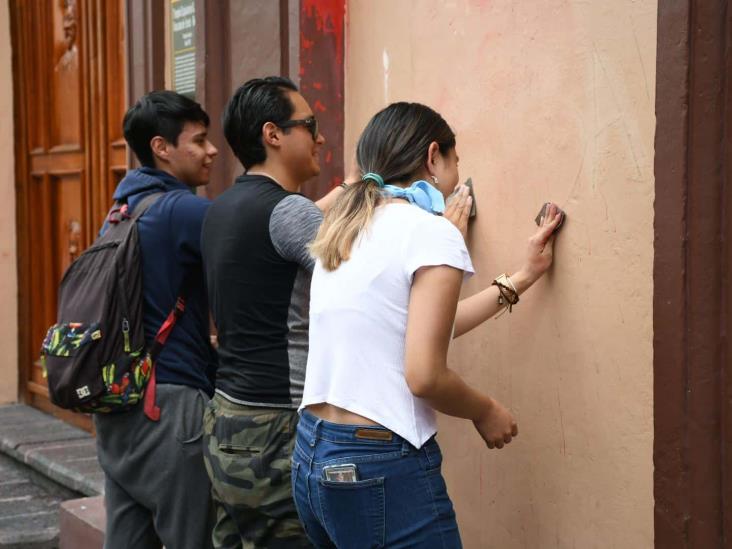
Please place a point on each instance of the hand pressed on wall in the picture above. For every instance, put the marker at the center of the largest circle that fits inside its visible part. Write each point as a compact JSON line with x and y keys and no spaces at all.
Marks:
{"x":540,"y":252}
{"x":457,"y":209}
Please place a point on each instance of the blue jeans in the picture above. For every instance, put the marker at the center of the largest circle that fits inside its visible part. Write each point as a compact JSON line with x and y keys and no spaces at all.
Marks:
{"x":399,"y":498}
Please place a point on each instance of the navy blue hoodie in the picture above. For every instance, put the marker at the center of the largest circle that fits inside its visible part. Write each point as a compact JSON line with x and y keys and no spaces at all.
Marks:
{"x":170,"y":245}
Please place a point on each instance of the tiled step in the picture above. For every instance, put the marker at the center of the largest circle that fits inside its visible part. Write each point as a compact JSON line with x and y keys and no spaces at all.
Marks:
{"x":29,"y":506}
{"x":59,"y":451}
{"x":81,"y":522}
{"x":45,"y":465}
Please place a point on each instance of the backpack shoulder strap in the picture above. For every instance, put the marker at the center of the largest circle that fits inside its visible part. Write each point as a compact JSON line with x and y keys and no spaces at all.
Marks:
{"x":119,"y":210}
{"x":142,"y":206}
{"x":151,"y":409}
{"x":173,"y":317}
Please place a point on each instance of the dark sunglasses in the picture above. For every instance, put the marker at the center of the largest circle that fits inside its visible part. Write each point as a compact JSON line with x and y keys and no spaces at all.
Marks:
{"x":311,"y":123}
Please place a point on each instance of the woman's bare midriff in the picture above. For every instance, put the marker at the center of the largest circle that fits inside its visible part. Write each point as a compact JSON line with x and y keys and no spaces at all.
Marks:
{"x":335,"y":414}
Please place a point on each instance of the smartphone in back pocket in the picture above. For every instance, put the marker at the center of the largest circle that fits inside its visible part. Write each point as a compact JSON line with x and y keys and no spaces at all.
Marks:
{"x":345,"y":472}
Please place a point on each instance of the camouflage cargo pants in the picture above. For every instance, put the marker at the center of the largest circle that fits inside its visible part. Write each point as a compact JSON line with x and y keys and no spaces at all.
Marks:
{"x":247,"y":451}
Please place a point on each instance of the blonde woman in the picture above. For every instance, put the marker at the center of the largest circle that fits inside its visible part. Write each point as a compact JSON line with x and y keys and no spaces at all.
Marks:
{"x":384,"y":306}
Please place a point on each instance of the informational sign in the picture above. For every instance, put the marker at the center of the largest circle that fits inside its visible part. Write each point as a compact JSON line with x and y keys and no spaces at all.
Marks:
{"x":183,"y":26}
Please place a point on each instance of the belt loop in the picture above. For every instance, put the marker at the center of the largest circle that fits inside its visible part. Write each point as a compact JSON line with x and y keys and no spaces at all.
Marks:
{"x":314,"y":436}
{"x":406,"y":447}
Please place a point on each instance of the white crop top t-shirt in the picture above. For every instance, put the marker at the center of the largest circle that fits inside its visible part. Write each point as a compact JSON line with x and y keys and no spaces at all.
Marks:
{"x":358,"y":319}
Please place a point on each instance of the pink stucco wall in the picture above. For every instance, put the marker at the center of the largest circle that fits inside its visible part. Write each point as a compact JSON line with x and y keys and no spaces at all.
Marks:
{"x":551,"y":100}
{"x":8,"y":269}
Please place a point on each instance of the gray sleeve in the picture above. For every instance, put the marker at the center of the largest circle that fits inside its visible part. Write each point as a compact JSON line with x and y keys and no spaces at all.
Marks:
{"x":292,"y":227}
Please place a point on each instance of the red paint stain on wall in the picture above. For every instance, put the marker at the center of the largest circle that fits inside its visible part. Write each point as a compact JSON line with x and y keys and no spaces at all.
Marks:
{"x":328,"y":17}
{"x":305,"y":43}
{"x":321,"y":83}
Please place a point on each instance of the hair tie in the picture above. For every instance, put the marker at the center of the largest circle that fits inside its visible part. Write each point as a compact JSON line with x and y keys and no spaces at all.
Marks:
{"x":375,"y":177}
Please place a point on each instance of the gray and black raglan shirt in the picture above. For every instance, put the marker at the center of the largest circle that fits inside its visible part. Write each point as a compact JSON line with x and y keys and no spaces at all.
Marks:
{"x":255,"y":250}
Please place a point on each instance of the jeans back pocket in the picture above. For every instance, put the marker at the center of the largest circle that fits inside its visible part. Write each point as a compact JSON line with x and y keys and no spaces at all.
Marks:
{"x":353,"y":512}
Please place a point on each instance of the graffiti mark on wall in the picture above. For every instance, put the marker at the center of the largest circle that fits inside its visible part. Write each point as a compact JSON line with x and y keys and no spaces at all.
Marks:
{"x":321,"y":37}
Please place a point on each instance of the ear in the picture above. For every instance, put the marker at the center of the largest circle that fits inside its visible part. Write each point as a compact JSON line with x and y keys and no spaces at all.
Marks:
{"x":433,"y":157}
{"x":160,"y":148}
{"x":271,"y":135}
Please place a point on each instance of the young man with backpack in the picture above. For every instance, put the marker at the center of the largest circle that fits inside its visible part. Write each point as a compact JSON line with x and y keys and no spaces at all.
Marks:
{"x":156,"y":488}
{"x":255,"y":248}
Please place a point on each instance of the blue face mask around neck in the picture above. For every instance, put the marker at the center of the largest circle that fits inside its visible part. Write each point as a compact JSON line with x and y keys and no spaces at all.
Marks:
{"x":421,"y":194}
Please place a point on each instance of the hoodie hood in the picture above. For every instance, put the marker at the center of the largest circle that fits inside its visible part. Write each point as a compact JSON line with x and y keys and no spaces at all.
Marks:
{"x":142,"y":181}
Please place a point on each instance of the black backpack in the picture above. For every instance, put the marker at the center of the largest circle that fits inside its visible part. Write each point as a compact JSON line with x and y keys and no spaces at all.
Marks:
{"x":94,"y":357}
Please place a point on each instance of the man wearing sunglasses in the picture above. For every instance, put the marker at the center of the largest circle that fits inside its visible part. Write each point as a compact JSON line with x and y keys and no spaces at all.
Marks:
{"x":255,"y":249}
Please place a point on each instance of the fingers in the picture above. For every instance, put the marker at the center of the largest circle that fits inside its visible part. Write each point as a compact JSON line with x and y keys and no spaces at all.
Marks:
{"x":458,"y":209}
{"x":454,"y":201}
{"x":507,"y":438}
{"x":549,"y":224}
{"x":465,"y":202}
{"x":500,"y":443}
{"x":551,"y":215}
{"x":554,"y":218}
{"x":461,"y":196}
{"x":465,"y":212}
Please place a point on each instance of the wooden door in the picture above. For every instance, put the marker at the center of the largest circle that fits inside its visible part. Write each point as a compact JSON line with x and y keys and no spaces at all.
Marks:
{"x":68,"y":62}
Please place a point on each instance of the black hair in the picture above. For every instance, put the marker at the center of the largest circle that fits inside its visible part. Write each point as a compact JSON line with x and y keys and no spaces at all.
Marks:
{"x":159,"y":113}
{"x":255,"y":103}
{"x":394,"y":143}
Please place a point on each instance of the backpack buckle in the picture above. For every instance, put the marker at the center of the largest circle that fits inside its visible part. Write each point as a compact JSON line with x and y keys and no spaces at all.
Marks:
{"x":118,"y":214}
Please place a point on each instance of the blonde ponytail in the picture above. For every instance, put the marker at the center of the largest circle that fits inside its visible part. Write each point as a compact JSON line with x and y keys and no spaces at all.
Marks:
{"x":392,"y":148}
{"x":344,"y":222}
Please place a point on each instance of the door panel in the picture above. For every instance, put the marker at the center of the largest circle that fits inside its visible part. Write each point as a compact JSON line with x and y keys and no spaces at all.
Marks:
{"x":68,"y":62}
{"x":66,"y":202}
{"x":65,"y":75}
{"x":116,"y":106}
